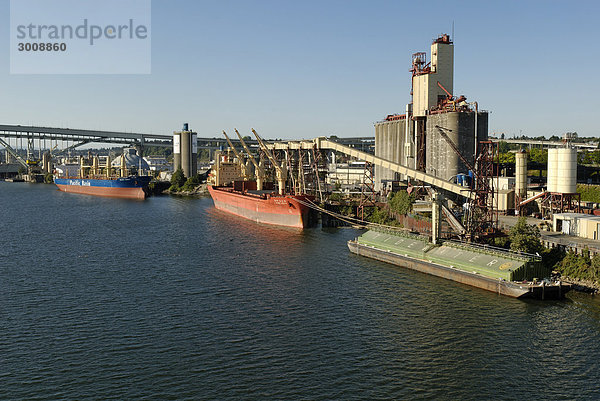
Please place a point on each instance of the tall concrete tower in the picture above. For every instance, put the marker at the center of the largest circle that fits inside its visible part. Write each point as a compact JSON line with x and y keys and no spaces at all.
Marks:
{"x":185,"y":151}
{"x":426,"y":91}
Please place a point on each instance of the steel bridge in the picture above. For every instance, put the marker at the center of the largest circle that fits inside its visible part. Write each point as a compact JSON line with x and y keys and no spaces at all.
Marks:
{"x":547,"y":144}
{"x":47,"y":137}
{"x":82,"y":136}
{"x":79,"y":137}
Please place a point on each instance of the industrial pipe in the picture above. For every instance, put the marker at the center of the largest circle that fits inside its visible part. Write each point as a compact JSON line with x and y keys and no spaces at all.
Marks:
{"x":476,"y":133}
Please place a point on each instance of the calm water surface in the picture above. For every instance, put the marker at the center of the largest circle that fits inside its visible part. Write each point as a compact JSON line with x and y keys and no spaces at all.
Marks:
{"x":169,"y":298}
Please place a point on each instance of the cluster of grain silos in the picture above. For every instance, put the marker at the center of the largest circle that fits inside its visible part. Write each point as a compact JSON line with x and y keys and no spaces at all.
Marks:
{"x":414,"y":140}
{"x":396,"y":141}
{"x":185,"y":151}
{"x":390,"y":140}
{"x":562,"y":170}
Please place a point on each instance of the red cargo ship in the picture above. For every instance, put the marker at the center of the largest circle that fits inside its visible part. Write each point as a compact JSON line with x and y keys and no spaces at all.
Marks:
{"x":264,"y":206}
{"x":234,"y":190}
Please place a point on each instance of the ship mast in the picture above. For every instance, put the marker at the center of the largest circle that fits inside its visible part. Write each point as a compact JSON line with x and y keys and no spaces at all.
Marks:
{"x":243,"y":168}
{"x":258,"y":167}
{"x":281,"y":171}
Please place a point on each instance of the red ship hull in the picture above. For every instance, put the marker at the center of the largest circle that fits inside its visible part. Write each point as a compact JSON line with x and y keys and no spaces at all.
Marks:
{"x":112,"y":192}
{"x":278,"y":210}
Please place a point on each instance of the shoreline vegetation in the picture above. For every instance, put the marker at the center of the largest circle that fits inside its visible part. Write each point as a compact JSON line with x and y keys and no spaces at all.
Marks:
{"x":190,"y":187}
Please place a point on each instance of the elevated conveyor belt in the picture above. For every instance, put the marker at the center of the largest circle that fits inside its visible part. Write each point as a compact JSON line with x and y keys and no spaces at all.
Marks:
{"x":453,"y":221}
{"x":534,"y":197}
{"x":323,"y":143}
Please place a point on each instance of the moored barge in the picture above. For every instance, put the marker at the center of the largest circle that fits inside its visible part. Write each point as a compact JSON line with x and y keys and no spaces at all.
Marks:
{"x":506,"y":273}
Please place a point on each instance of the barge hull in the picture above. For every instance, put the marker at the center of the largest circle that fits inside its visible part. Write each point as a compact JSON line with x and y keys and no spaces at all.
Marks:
{"x":502,"y":287}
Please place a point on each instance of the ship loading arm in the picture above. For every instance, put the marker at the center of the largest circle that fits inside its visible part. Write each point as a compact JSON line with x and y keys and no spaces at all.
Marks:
{"x":258,"y":166}
{"x":280,"y":170}
{"x":240,"y":158}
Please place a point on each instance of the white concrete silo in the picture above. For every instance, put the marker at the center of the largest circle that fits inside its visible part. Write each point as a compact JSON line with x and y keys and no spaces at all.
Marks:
{"x":566,"y":171}
{"x":521,"y":174}
{"x":552,"y":169}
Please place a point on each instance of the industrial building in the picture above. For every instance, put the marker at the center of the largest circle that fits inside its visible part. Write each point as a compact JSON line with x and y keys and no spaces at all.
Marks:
{"x":347,"y":174}
{"x":578,"y":224}
{"x":158,"y":163}
{"x":415,"y":139}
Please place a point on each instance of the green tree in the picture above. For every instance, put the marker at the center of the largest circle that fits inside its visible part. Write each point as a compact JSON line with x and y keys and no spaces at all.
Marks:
{"x":503,"y":147}
{"x":538,"y":155}
{"x":401,"y":202}
{"x":552,"y":257}
{"x":502,"y":242}
{"x":507,"y":157}
{"x":589,"y":193}
{"x":177,"y":180}
{"x":595,"y":267}
{"x":580,"y":266}
{"x":525,"y":237}
{"x":158,"y":151}
{"x":191,"y":183}
{"x":381,"y":216}
{"x":588,"y":157}
{"x":336,"y":197}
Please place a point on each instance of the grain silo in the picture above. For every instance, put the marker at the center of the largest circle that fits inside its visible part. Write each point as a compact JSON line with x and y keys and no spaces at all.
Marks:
{"x":185,"y":151}
{"x":176,"y":150}
{"x":566,"y":170}
{"x":413,"y":139}
{"x":552,"y":170}
{"x":521,"y":174}
{"x":441,"y":159}
{"x":389,"y":145}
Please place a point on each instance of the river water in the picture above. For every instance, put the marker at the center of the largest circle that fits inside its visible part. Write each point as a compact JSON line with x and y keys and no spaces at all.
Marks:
{"x":169,"y":298}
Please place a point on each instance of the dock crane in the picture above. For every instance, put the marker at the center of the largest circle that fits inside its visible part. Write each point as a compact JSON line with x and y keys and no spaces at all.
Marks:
{"x":259,"y":168}
{"x":280,"y":170}
{"x":243,"y":168}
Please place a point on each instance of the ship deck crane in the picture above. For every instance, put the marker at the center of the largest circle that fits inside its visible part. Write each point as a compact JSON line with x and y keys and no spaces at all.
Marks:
{"x":281,"y":171}
{"x":244,"y":170}
{"x":258,"y":166}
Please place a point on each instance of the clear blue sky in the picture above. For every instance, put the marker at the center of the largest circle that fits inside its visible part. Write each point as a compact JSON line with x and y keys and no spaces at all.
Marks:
{"x":300,"y":69}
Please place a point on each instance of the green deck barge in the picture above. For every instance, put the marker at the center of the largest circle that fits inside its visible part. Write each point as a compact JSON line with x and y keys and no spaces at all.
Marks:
{"x":488,"y":262}
{"x":491,"y":269}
